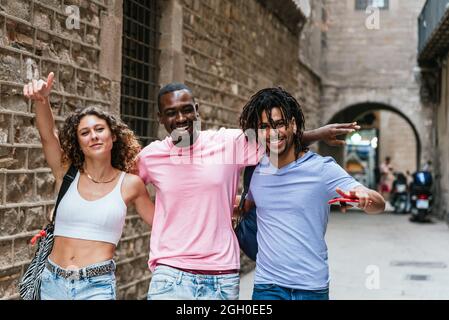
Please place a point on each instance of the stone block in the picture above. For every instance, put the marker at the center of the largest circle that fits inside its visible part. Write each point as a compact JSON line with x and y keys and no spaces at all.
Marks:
{"x":22,"y":250}
{"x":66,"y":79}
{"x":12,"y":221}
{"x":33,"y":218}
{"x":9,"y":283}
{"x":84,"y":84}
{"x":14,"y":102}
{"x":13,"y":158}
{"x":5,"y":125}
{"x":71,"y":104}
{"x":20,"y":187}
{"x":45,"y":186}
{"x":36,"y":159}
{"x":102,"y":88}
{"x":6,"y":253}
{"x":92,"y":36}
{"x":25,"y":130}
{"x":85,"y":57}
{"x":19,"y":8}
{"x":10,"y":66}
{"x":42,"y":18}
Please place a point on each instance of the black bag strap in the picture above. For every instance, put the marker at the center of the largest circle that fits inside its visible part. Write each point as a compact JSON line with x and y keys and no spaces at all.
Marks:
{"x":66,"y":182}
{"x":247,"y":175}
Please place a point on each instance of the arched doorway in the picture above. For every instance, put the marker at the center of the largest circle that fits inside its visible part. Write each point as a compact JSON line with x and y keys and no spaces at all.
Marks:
{"x":379,"y":137}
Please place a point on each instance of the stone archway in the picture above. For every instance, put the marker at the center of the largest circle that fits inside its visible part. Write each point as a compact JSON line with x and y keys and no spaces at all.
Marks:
{"x":353,"y":112}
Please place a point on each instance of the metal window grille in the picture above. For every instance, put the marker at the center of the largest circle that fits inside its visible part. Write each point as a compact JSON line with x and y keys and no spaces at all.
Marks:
{"x":140,"y":56}
{"x":363,"y":4}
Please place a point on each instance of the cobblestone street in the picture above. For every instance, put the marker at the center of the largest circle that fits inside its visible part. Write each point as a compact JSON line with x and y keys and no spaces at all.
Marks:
{"x":410,"y":259}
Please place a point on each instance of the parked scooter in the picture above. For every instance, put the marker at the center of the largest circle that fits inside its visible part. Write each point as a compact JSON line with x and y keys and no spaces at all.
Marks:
{"x":421,"y":196}
{"x":400,"y":195}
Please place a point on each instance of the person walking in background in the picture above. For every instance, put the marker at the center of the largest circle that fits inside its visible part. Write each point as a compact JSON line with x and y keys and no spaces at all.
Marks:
{"x":386,"y":178}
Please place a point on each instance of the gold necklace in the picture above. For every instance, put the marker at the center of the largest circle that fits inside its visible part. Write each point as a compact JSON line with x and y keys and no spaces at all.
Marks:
{"x":95,"y":181}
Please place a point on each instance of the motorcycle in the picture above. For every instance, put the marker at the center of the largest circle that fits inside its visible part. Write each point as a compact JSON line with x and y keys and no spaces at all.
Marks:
{"x":421,"y":196}
{"x":400,"y":196}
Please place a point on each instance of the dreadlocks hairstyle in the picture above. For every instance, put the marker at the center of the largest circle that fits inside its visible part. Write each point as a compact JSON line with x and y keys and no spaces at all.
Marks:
{"x":124,"y":150}
{"x":266,"y":100}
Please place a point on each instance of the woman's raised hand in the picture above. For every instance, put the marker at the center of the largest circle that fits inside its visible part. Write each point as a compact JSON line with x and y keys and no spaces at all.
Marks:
{"x":38,"y":90}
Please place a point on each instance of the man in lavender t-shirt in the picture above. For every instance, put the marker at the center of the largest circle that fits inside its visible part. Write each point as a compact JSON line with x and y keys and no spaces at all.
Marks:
{"x":194,"y":253}
{"x":291,"y":188}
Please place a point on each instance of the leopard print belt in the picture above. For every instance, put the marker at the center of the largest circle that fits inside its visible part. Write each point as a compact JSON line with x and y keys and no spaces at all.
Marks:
{"x":84,"y":273}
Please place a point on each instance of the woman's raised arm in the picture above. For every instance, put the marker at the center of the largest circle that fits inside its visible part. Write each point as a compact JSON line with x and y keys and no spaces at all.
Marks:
{"x":39,"y":92}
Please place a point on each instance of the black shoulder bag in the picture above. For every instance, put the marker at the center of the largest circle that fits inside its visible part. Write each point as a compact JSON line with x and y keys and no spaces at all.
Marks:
{"x":246,"y":229}
{"x":30,"y":283}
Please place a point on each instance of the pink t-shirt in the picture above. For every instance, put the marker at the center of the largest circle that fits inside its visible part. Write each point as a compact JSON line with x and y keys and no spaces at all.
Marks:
{"x":195,"y":192}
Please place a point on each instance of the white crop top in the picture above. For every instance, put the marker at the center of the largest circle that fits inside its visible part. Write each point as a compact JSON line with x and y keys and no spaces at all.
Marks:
{"x":99,"y":220}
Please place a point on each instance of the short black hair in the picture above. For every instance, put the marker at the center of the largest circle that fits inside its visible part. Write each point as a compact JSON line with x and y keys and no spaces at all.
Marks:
{"x":266,"y":100}
{"x":171,"y":87}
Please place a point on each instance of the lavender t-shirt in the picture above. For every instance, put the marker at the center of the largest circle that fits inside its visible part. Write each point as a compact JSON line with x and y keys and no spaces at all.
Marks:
{"x":292,"y":216}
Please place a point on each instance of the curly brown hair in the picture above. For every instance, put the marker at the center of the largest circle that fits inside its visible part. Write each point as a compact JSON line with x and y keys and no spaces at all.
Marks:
{"x":124,"y":150}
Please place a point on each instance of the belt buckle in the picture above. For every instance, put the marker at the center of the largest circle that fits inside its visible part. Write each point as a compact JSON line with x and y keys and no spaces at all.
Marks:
{"x":74,"y":274}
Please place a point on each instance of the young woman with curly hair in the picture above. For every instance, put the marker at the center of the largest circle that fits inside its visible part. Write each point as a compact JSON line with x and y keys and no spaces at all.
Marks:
{"x":91,"y":215}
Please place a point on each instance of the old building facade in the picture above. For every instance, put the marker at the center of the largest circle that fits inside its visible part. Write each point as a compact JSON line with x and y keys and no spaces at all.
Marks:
{"x":433,"y":58}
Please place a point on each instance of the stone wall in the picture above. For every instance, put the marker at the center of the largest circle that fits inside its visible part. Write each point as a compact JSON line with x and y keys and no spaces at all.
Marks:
{"x":440,"y":164}
{"x":377,"y":66}
{"x":234,"y":48}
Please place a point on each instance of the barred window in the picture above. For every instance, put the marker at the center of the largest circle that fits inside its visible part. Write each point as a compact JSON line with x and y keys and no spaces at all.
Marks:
{"x":140,"y":55}
{"x":363,"y":4}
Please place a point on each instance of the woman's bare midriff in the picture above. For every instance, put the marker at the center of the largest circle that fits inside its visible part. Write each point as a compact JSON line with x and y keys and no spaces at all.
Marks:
{"x":70,"y":253}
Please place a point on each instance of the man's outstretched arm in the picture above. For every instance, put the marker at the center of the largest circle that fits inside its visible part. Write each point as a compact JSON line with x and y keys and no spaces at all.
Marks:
{"x":329,"y":133}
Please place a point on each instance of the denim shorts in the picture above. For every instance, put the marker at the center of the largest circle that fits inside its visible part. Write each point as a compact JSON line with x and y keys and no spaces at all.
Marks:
{"x":55,"y":287}
{"x":168,"y":283}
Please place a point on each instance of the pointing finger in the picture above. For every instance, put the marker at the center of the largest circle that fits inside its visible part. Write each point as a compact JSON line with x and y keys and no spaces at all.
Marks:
{"x":50,"y":79}
{"x":340,"y":131}
{"x":340,"y":192}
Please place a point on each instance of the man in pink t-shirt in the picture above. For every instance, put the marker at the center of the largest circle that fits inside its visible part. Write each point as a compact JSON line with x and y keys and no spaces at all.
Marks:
{"x":194,"y":253}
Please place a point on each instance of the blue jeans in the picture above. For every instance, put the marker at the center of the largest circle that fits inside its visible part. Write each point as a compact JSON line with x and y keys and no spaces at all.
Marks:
{"x":275,"y":292}
{"x":55,"y":287}
{"x":168,"y":283}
